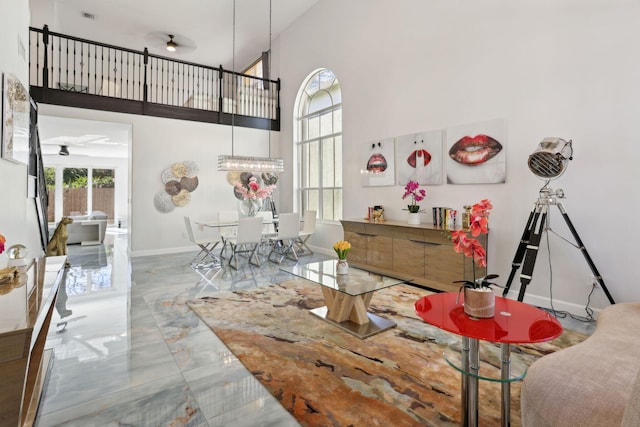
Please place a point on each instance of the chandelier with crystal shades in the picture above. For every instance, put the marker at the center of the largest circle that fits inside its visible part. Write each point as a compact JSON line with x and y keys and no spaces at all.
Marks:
{"x":248,"y":163}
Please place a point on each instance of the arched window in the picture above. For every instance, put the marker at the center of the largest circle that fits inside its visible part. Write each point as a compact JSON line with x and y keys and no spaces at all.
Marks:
{"x":318,"y":145}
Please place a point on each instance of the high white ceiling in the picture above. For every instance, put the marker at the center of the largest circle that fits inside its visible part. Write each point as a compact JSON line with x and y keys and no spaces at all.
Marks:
{"x":83,"y":137}
{"x":203,"y":30}
{"x":204,"y":25}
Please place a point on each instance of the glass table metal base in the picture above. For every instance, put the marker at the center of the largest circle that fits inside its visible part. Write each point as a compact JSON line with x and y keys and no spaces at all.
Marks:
{"x":375,"y":325}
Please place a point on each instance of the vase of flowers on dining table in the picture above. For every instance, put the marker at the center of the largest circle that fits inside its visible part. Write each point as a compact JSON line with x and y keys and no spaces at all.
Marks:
{"x":252,"y":195}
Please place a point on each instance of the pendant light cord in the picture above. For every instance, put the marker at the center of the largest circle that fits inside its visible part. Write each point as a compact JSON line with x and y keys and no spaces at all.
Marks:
{"x":269,"y":65}
{"x":233,"y":71}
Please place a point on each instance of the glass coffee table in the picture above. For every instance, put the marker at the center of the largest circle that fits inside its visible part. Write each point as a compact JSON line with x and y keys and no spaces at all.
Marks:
{"x":347,"y":296}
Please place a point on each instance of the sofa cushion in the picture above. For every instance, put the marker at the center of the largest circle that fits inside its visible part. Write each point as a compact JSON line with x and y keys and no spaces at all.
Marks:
{"x":590,"y":383}
{"x":97,"y":215}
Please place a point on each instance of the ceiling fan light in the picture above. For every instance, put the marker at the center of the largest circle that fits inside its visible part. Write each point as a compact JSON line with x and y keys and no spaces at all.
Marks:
{"x":171,"y":45}
{"x":64,"y":150}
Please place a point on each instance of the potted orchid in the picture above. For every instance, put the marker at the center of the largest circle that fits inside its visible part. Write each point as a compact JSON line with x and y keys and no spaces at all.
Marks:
{"x":478,"y":296}
{"x":417,"y":194}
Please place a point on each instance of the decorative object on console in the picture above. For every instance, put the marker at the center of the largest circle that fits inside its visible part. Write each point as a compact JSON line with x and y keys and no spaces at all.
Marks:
{"x":479,"y":298}
{"x":466,"y":217}
{"x":342,"y":248}
{"x":16,"y":254}
{"x":444,"y":217}
{"x":417,"y":194}
{"x":377,"y":214}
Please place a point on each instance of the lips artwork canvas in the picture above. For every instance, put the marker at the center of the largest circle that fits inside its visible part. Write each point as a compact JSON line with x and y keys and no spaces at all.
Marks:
{"x":474,"y":150}
{"x":419,"y":158}
{"x":476,"y":153}
{"x":379,"y":163}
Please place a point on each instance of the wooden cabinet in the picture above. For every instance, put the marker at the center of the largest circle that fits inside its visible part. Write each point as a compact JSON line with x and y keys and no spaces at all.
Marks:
{"x":26,"y":307}
{"x":421,"y":254}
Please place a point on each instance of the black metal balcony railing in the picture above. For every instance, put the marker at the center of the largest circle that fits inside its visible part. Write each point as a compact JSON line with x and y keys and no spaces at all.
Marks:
{"x":66,"y":70}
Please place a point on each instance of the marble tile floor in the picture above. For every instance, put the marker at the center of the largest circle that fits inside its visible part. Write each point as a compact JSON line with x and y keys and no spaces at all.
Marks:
{"x":129,"y":352}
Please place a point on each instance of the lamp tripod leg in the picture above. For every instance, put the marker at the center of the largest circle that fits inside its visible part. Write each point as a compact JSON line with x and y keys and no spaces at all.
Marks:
{"x":517,"y":259}
{"x":592,"y":266}
{"x":531,"y":253}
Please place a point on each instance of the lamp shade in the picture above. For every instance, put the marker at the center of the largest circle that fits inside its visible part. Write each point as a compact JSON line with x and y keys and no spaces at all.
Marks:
{"x":551,"y":158}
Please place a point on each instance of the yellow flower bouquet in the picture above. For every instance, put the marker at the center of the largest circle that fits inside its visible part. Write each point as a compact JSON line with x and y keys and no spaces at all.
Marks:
{"x":342,"y":248}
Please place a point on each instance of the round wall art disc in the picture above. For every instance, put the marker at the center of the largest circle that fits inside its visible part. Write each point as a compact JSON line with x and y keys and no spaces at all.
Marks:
{"x":233,"y":177}
{"x":189,"y":184}
{"x":179,"y":169}
{"x":269,"y":178}
{"x":172,"y":187}
{"x":167,"y":175}
{"x":182,"y":198}
{"x":163,"y":202}
{"x":192,"y":169}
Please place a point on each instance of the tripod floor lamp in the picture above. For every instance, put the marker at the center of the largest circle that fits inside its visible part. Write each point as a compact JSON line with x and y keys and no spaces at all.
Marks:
{"x":549,"y":161}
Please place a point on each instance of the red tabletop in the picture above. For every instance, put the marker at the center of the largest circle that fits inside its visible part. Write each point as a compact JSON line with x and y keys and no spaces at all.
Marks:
{"x":514,"y":321}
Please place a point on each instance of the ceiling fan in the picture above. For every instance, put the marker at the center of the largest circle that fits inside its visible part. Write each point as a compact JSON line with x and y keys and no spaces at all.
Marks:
{"x":175,"y":43}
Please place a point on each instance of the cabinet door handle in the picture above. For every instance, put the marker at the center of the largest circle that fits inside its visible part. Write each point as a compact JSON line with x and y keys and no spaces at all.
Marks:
{"x":425,"y":243}
{"x":366,"y":234}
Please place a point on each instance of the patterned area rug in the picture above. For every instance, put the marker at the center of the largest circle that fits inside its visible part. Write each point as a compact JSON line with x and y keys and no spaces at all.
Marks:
{"x":327,"y":377}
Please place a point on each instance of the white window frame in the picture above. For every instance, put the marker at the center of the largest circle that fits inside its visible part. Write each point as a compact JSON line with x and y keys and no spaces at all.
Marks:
{"x":325,"y":138}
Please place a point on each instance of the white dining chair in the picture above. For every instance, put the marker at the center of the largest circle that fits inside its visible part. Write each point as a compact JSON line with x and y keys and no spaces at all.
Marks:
{"x":288,"y":230}
{"x":227,"y":217}
{"x":247,"y":240}
{"x":206,"y":244}
{"x":308,"y":228}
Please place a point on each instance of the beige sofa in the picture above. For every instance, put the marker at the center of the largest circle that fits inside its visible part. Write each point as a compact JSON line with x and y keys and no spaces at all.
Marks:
{"x":594,"y":383}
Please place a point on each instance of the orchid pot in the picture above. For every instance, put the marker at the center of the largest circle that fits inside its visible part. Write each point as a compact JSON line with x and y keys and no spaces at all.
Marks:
{"x":479,"y":302}
{"x":413,"y":218}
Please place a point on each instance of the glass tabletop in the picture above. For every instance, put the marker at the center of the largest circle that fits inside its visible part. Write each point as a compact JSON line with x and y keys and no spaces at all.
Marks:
{"x":356,"y":282}
{"x":514,"y":322}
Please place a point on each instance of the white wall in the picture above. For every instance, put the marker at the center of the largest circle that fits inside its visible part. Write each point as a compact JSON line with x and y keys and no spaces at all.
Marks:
{"x":549,"y":68}
{"x":155,"y":145}
{"x":18,"y":219}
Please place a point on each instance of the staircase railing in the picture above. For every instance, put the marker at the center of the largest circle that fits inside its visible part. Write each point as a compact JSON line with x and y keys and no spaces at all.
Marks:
{"x":59,"y":62}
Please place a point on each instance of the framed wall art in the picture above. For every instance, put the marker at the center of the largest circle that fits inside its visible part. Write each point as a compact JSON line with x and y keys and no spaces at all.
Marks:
{"x":378,"y":163}
{"x":476,"y":153}
{"x":15,"y":120}
{"x":420,"y":158}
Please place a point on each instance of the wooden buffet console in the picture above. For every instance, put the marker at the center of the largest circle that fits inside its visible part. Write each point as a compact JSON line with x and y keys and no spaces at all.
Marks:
{"x":26,"y":306}
{"x":421,"y":254}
